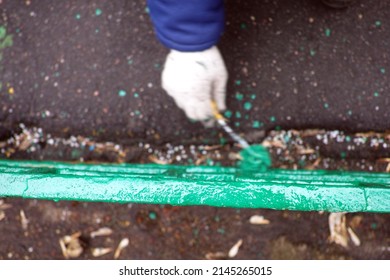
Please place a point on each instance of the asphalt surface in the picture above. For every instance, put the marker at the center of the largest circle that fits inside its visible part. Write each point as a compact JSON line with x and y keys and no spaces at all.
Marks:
{"x":93,"y":69}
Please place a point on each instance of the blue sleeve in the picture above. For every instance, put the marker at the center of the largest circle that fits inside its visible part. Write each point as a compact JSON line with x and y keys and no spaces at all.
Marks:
{"x":188,"y":25}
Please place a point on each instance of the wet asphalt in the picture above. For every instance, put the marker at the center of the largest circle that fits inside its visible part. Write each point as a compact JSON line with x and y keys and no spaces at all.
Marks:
{"x":92,"y":68}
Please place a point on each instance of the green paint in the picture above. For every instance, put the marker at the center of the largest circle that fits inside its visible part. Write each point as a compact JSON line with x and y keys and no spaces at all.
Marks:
{"x":122,"y":93}
{"x":349,"y":112}
{"x":222,"y":141}
{"x":221,"y":231}
{"x":326,"y":105}
{"x":136,"y":95}
{"x":383,"y":70}
{"x":343,"y":155}
{"x":253,"y":96}
{"x":237,"y":124}
{"x":238,"y":115}
{"x":228,"y":114}
{"x":129,"y":61}
{"x":312,"y":52}
{"x":378,"y":23}
{"x":255,"y":157}
{"x":376,"y":94}
{"x":348,"y":138}
{"x":98,"y":12}
{"x":78,"y":16}
{"x":238,"y":82}
{"x":272,"y":119}
{"x":239,"y":96}
{"x":317,"y":190}
{"x":137,"y":113}
{"x":152,"y":215}
{"x":328,"y":32}
{"x":247,"y":106}
{"x":257,"y":124}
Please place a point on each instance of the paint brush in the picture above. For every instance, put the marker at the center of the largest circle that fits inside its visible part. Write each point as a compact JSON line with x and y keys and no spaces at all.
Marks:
{"x":222,"y":122}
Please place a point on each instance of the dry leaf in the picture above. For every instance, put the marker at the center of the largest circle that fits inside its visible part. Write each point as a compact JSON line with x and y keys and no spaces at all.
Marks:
{"x":338,"y":229}
{"x":104,"y":231}
{"x":234,"y":250}
{"x":355,"y":239}
{"x":258,"y":220}
{"x":123,"y":244}
{"x":23,"y":220}
{"x":216,"y":256}
{"x":71,"y":245}
{"x":98,"y":252}
{"x":154,"y":159}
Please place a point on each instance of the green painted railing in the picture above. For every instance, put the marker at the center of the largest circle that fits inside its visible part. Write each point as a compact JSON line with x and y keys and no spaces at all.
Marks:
{"x":331,"y":191}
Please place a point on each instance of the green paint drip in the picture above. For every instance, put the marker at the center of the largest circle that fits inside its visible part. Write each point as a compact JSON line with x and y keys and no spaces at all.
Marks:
{"x":257,"y":124}
{"x":122,"y":93}
{"x":228,"y":114}
{"x":239,"y":96}
{"x":152,"y":215}
{"x":98,"y":12}
{"x":247,"y":106}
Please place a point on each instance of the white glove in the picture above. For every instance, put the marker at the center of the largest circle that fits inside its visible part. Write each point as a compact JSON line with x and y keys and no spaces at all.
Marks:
{"x":194,"y":79}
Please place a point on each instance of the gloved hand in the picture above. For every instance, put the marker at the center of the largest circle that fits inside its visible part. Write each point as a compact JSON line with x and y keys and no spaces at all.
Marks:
{"x":194,"y":79}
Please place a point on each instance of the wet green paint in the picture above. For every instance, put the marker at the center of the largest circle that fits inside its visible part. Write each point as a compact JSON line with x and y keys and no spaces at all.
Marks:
{"x":319,"y":190}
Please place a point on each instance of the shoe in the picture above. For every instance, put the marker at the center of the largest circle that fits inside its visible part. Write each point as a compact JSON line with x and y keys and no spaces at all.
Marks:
{"x":338,"y":4}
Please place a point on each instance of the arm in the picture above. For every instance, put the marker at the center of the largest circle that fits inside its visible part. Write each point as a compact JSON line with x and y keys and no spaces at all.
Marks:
{"x":194,"y":72}
{"x":188,"y":25}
